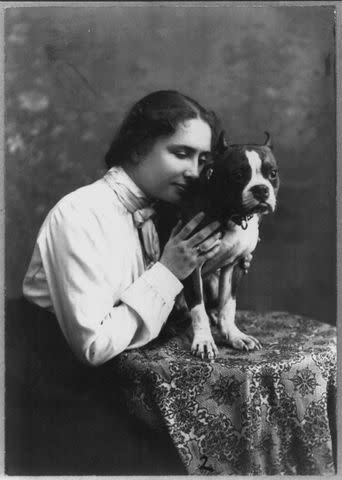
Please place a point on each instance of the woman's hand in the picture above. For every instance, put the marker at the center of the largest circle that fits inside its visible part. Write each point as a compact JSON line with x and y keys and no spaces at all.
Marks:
{"x":183,"y":253}
{"x":246,"y":262}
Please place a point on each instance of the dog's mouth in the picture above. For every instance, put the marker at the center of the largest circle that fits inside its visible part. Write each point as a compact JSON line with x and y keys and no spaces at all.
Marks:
{"x":262,"y":207}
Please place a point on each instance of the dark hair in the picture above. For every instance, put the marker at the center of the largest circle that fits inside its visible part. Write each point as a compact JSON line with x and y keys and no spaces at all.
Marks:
{"x":156,"y":115}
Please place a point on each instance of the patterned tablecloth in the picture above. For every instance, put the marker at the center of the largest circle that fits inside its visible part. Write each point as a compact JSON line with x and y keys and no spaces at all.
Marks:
{"x":266,"y":412}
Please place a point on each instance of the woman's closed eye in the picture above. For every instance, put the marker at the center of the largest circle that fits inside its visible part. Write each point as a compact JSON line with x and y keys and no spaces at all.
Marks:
{"x":181,"y":154}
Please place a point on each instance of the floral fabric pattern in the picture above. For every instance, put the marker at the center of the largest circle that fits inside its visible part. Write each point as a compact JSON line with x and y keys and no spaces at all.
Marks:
{"x":270,"y":411}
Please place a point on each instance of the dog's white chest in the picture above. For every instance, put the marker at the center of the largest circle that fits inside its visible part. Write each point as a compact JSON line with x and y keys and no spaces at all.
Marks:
{"x":237,"y":241}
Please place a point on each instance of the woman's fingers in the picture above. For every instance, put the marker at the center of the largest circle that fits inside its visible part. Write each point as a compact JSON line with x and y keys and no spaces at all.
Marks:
{"x":246,"y":262}
{"x":176,"y":229}
{"x":209,"y":254}
{"x":183,"y":253}
{"x":203,"y":234}
{"x":210,"y":243}
{"x":190,"y":226}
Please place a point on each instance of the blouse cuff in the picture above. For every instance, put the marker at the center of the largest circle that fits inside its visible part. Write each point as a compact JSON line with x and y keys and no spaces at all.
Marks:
{"x":163,"y":280}
{"x":152,"y":296}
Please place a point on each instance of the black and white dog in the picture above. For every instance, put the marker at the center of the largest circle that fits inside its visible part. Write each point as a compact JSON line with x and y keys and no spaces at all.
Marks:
{"x":238,"y":188}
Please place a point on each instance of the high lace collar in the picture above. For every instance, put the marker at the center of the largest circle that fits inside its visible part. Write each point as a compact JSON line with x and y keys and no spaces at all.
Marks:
{"x":129,"y":194}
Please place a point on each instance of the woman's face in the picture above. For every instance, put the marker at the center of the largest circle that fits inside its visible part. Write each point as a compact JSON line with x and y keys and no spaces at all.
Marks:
{"x":172,"y":162}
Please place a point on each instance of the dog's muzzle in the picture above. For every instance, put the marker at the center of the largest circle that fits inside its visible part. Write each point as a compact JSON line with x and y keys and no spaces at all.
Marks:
{"x":259,"y":198}
{"x":260,"y":192}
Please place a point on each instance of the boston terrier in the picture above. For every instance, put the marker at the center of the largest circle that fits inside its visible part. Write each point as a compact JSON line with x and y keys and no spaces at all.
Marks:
{"x":238,"y":188}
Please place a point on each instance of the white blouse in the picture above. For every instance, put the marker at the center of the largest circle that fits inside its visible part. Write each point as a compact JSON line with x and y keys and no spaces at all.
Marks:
{"x":89,"y":269}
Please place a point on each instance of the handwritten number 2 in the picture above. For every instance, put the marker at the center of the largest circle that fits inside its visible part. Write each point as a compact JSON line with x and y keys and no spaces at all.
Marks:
{"x":204,"y":464}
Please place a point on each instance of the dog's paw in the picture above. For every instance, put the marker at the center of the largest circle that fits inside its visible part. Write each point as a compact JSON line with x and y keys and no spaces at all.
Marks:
{"x":204,"y":346}
{"x":242,"y":341}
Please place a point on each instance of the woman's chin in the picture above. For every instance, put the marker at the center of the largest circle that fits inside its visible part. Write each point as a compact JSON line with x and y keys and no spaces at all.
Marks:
{"x":173,"y":196}
{"x":173,"y":200}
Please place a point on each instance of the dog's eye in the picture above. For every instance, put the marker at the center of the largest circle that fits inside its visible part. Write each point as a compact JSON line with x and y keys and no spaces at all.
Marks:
{"x":238,"y":175}
{"x":273,"y":174}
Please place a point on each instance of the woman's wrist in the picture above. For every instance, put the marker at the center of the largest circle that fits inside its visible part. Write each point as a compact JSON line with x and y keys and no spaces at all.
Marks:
{"x":169,"y":268}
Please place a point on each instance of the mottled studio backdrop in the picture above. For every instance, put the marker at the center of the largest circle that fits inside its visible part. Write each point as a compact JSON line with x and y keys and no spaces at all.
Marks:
{"x":72,"y":72}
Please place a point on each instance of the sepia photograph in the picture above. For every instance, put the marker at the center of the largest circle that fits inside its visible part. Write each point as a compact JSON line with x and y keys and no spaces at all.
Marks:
{"x":170,"y":185}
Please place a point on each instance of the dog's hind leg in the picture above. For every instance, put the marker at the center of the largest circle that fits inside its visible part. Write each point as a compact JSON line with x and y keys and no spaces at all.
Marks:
{"x":230,"y":278}
{"x":203,"y":344}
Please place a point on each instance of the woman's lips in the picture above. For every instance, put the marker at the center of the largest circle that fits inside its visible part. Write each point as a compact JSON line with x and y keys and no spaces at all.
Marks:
{"x":181,"y":186}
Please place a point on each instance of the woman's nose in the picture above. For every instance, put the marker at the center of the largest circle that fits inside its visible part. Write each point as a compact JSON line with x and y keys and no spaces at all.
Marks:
{"x":192,"y":169}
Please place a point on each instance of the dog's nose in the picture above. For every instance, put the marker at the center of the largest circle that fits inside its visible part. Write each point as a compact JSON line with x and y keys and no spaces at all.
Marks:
{"x":260,"y":192}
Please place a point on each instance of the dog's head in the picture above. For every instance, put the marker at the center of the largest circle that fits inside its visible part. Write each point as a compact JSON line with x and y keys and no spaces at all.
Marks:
{"x":244,"y":178}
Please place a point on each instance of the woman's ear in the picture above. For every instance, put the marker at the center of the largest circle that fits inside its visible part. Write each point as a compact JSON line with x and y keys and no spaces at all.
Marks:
{"x":135,"y":158}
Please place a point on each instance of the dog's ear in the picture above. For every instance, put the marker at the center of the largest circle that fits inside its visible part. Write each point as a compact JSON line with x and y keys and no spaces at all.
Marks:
{"x":268,"y":142}
{"x":221,"y":144}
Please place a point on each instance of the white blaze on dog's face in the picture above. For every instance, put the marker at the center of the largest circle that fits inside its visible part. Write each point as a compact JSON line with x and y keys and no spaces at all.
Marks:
{"x":259,"y":192}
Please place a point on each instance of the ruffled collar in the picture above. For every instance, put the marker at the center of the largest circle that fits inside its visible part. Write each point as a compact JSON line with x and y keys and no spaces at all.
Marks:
{"x":129,"y":194}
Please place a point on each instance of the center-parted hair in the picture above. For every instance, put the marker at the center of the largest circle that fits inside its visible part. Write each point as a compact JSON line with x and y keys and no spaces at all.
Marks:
{"x":156,"y":115}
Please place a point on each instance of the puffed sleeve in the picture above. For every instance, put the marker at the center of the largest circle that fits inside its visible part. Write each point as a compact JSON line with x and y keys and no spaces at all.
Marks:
{"x":99,"y":317}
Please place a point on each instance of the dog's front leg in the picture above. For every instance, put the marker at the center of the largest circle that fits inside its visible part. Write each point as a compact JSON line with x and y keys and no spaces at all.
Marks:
{"x":203,"y":344}
{"x":230,"y":278}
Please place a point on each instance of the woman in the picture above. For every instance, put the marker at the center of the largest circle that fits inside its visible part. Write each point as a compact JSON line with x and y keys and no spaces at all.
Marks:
{"x":96,"y":263}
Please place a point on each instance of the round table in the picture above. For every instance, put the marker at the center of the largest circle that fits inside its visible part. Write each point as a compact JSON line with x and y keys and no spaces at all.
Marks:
{"x":270,"y":411}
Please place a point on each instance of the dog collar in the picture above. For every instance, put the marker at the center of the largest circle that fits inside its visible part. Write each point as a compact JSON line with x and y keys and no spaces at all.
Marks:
{"x":241,"y":220}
